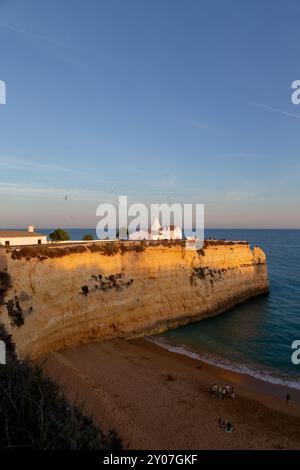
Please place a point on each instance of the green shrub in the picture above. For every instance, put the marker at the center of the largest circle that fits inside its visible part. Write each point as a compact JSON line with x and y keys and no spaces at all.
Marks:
{"x":59,"y":235}
{"x":87,"y":237}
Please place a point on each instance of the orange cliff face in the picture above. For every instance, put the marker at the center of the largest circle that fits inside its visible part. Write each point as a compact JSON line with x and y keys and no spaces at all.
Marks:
{"x":53,"y":303}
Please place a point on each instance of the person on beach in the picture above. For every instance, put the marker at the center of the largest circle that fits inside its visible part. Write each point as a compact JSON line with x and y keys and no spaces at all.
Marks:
{"x":214,"y":389}
{"x":288,"y":398}
{"x":220,"y":392}
{"x":223,"y":393}
{"x":228,"y":427}
{"x":227,"y":389}
{"x":232,"y":393}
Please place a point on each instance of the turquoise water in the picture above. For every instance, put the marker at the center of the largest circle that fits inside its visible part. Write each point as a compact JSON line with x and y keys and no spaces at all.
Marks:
{"x":255,"y":337}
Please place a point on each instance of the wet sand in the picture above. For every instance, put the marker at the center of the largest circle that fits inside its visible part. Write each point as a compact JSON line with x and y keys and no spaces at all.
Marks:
{"x":156,"y":399}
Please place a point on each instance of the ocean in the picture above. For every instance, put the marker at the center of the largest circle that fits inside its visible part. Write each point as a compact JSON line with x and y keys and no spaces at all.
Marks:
{"x":255,"y":337}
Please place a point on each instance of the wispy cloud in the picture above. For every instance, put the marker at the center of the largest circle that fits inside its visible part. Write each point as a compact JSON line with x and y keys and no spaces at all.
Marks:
{"x":17,"y":190}
{"x":40,"y":37}
{"x":68,"y":46}
{"x":63,"y":49}
{"x":274,"y":110}
{"x":25,"y":165}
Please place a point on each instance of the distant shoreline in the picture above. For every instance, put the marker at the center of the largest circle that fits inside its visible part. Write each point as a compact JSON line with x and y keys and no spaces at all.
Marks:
{"x":259,"y":385}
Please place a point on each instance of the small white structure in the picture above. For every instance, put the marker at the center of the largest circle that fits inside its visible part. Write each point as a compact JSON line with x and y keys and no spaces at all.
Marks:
{"x":22,"y":237}
{"x":158,"y":232}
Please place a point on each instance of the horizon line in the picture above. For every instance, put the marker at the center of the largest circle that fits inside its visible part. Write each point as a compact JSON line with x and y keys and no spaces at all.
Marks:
{"x":94,"y":228}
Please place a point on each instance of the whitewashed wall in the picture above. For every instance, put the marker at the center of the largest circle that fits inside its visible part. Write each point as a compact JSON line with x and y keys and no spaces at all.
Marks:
{"x":18,"y":241}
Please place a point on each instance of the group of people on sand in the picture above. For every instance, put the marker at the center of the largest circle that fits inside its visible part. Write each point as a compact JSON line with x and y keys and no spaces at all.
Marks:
{"x":222,"y":392}
{"x":226,"y":425}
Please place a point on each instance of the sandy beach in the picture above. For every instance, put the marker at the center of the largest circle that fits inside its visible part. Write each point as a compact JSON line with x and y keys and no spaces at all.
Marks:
{"x":156,"y":399}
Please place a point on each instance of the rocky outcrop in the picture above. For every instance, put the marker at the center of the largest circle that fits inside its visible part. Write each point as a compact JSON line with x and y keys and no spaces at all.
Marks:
{"x":57,"y":302}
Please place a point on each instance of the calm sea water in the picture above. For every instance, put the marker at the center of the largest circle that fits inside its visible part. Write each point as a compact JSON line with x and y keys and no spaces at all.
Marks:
{"x":255,"y":337}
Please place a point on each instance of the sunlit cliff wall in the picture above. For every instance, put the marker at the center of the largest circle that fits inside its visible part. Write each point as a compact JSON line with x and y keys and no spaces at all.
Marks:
{"x":78,"y":298}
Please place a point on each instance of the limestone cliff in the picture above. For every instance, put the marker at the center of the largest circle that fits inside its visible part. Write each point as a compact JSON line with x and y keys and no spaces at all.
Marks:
{"x":53,"y":303}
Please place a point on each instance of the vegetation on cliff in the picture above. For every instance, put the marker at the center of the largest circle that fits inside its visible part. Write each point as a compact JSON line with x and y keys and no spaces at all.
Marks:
{"x":110,"y":248}
{"x":43,"y":252}
{"x":35,"y":414}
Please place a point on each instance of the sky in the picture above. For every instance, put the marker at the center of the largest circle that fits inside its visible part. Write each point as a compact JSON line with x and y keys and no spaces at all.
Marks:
{"x":162,"y":100}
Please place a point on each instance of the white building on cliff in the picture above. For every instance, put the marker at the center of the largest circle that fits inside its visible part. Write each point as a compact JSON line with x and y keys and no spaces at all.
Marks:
{"x":22,"y":237}
{"x":157,"y":232}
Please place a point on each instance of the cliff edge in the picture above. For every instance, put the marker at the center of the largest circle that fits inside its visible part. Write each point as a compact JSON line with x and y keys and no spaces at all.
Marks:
{"x":57,"y":300}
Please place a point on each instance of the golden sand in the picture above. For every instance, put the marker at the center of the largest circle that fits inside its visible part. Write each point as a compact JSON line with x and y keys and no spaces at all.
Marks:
{"x":156,"y":399}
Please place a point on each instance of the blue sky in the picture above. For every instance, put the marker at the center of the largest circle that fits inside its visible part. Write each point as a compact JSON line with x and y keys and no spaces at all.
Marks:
{"x":185,"y":101}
